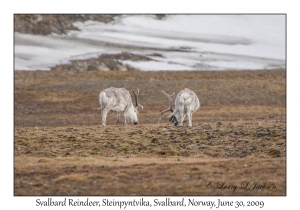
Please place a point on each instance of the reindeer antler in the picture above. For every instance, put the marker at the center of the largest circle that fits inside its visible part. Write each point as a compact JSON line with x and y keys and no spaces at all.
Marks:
{"x":136,"y":94}
{"x":170,"y":102}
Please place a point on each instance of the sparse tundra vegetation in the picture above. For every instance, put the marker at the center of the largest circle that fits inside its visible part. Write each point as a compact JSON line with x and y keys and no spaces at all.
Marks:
{"x":237,"y":135}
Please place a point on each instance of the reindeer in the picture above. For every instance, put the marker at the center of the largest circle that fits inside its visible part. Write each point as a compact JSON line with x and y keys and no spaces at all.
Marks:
{"x":119,"y":100}
{"x":186,"y":102}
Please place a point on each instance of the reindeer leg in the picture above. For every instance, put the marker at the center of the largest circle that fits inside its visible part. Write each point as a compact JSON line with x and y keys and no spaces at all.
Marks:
{"x":125,"y":119}
{"x":181,"y":119}
{"x":189,"y":114}
{"x":104,"y":113}
{"x":118,"y":117}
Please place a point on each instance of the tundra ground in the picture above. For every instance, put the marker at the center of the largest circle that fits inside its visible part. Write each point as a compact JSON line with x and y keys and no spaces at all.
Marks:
{"x":238,"y":135}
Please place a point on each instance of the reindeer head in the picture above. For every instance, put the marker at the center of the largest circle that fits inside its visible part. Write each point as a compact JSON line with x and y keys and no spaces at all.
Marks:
{"x":132,"y":113}
{"x":172,"y":116}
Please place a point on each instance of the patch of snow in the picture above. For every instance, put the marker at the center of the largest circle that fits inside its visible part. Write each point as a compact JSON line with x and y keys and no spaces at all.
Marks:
{"x":186,"y":42}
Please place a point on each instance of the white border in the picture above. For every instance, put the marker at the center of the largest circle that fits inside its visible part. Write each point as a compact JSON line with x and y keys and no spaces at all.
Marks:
{"x":8,"y":201}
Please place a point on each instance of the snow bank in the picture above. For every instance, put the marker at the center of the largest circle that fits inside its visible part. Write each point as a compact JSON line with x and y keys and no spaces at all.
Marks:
{"x":185,"y":42}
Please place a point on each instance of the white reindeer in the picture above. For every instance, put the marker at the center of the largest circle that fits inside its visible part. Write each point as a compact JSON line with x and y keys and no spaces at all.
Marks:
{"x":186,"y":103}
{"x":119,"y":100}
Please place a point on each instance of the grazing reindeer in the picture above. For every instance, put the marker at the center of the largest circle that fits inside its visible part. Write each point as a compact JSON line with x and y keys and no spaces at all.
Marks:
{"x":186,"y":102}
{"x":119,"y":100}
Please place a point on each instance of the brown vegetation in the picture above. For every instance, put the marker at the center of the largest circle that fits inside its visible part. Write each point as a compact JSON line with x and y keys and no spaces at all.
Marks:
{"x":44,"y":24}
{"x":238,"y":134}
{"x":104,"y":62}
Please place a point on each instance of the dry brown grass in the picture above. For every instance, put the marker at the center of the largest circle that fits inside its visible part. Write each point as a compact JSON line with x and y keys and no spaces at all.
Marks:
{"x":146,"y":176}
{"x":228,"y":139}
{"x":238,"y":134}
{"x":53,"y":98}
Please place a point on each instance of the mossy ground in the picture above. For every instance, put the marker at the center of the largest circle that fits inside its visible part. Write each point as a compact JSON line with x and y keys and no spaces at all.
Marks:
{"x":238,"y":134}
